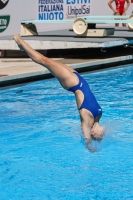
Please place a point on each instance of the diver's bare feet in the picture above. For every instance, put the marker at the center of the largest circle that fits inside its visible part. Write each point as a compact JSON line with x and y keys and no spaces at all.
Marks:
{"x":17,"y":39}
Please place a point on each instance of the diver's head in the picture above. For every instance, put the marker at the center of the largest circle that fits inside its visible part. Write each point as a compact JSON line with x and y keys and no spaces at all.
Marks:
{"x":97,"y":131}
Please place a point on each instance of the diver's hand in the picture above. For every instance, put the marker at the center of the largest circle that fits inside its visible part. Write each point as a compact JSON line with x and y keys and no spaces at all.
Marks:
{"x":88,"y":143}
{"x":116,"y":12}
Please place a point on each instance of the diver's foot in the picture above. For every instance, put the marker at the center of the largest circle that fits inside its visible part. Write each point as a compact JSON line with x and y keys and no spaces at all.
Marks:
{"x":17,"y":39}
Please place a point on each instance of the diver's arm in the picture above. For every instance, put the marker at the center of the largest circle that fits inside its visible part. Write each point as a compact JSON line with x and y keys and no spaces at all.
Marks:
{"x":87,"y":136}
{"x":110,"y":5}
{"x":86,"y":130}
{"x":128,"y":4}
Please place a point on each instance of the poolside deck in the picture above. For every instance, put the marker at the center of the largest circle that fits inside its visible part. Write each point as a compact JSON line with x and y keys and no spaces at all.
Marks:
{"x":23,"y":70}
{"x":68,"y":50}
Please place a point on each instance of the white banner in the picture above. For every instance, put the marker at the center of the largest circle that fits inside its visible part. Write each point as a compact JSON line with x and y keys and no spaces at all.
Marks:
{"x":62,"y":9}
{"x":12,"y":12}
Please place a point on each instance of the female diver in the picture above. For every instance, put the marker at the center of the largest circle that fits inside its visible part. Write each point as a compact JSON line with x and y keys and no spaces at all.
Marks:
{"x":89,"y":110}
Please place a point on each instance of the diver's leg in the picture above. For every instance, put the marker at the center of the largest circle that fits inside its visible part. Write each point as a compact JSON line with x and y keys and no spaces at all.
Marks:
{"x":124,"y":13}
{"x":62,"y":72}
{"x":117,"y":14}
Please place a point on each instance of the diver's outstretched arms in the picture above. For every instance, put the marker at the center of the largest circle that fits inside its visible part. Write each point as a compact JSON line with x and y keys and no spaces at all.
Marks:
{"x":61,"y":71}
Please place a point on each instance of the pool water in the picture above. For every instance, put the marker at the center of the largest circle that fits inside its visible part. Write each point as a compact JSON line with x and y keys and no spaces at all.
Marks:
{"x":42,"y":152}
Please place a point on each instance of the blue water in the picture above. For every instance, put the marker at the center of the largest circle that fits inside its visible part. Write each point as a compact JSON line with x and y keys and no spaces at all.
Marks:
{"x":42,"y":153}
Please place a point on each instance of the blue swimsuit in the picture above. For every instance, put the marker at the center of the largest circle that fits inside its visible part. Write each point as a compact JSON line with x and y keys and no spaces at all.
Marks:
{"x":89,"y":101}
